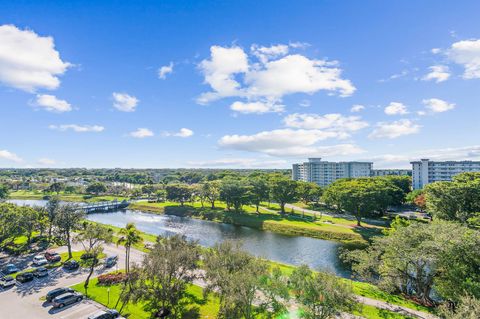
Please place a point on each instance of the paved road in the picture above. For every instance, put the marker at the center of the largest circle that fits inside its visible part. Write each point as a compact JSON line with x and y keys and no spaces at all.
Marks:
{"x":24,"y":300}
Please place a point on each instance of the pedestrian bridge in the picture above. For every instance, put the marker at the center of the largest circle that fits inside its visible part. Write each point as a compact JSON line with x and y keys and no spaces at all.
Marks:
{"x":107,"y":206}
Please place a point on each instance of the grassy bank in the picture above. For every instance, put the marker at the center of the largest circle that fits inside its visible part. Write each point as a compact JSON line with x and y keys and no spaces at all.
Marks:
{"x":295,"y":224}
{"x":37,"y":195}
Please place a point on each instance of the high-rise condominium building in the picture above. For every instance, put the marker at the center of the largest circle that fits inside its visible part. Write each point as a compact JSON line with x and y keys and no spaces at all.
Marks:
{"x":324,"y":173}
{"x":425,"y":171}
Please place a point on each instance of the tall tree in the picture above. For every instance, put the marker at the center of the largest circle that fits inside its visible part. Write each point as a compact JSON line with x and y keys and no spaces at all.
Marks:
{"x":29,"y":221}
{"x":235,"y":193}
{"x":321,"y":295}
{"x":67,"y":220}
{"x":52,"y":208}
{"x":235,"y":276}
{"x":260,"y":191}
{"x":211,"y":190}
{"x":167,"y":271}
{"x":180,"y":193}
{"x":96,"y":188}
{"x":283,"y":190}
{"x":309,"y":192}
{"x":129,"y":236}
{"x":56,"y":187}
{"x":92,"y":238}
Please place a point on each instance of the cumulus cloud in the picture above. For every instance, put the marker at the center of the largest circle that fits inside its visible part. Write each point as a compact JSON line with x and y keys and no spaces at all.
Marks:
{"x":52,"y":104}
{"x":394,"y":129}
{"x":395,"y":108}
{"x":438,"y":73}
{"x":257,"y":107}
{"x":239,"y":162}
{"x":124,"y":102}
{"x":9,"y":156}
{"x":467,"y":54}
{"x":437,"y":105}
{"x":276,"y":74}
{"x":288,"y":142}
{"x":338,"y":123}
{"x":183,"y":132}
{"x":46,"y":161}
{"x":165,"y":70}
{"x":77,"y":128}
{"x":357,"y":108}
{"x":29,"y":61}
{"x":141,"y":133}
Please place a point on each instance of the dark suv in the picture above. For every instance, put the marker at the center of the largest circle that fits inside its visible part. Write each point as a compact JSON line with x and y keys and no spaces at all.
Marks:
{"x":52,"y":294}
{"x":24,"y":277}
{"x":71,"y":264}
{"x":67,"y":299}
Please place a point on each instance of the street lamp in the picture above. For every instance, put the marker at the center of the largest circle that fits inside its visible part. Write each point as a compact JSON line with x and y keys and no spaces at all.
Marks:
{"x":108,"y":291}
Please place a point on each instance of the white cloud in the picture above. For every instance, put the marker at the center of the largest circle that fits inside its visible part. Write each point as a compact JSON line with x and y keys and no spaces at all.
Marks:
{"x":52,"y":104}
{"x":394,"y":129}
{"x":305,"y":103}
{"x":239,"y":162}
{"x":46,"y":161}
{"x":141,"y":133}
{"x":439,"y":73}
{"x":9,"y":156}
{"x":296,"y":74}
{"x":396,"y":108}
{"x":257,"y":107}
{"x":124,"y":102}
{"x":29,"y":61}
{"x":357,"y":108}
{"x":467,"y":54}
{"x":437,"y":105}
{"x":338,"y":123}
{"x":229,"y":74}
{"x":435,"y":50}
{"x":165,"y":70}
{"x":219,"y":72}
{"x":267,"y":53}
{"x":183,"y":132}
{"x":288,"y":142}
{"x":77,"y":128}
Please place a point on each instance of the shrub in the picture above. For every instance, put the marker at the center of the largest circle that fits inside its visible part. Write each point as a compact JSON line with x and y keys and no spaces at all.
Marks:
{"x":112,"y":278}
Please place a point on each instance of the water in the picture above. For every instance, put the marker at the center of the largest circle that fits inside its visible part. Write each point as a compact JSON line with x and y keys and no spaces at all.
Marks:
{"x":294,"y":250}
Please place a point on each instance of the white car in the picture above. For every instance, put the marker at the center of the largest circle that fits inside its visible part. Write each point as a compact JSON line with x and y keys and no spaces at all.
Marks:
{"x":39,"y":260}
{"x":7,"y":281}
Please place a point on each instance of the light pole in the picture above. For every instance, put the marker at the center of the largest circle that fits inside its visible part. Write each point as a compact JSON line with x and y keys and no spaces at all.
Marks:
{"x":108,"y":291}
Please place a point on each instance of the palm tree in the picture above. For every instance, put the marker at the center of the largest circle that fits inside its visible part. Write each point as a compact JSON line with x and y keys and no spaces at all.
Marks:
{"x":129,"y":236}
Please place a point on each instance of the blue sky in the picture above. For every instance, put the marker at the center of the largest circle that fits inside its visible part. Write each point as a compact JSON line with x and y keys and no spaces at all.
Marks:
{"x":237,"y":83}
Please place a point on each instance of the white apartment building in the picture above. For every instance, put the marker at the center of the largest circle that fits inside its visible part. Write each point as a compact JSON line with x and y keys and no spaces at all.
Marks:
{"x":324,"y":173}
{"x":425,"y":171}
{"x":390,"y":172}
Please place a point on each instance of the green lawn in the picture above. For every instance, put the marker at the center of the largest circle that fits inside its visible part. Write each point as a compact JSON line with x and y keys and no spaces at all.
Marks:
{"x":63,"y":196}
{"x":198,"y":306}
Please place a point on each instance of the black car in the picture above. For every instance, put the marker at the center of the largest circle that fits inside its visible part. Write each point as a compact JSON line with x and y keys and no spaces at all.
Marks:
{"x":71,"y":264}
{"x":40,"y":272}
{"x":105,"y":314}
{"x":52,"y":294}
{"x":86,"y":256}
{"x":25,"y":277}
{"x":66,"y":299}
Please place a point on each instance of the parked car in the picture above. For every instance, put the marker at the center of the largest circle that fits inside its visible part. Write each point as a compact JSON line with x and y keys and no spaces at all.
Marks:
{"x":86,"y":256}
{"x":111,"y":261}
{"x":10,"y":269}
{"x":66,"y":299}
{"x":52,"y":294}
{"x":71,"y":264}
{"x":7,"y":281}
{"x":40,"y":272}
{"x":39,"y":260}
{"x":52,"y":256}
{"x":105,"y":314}
{"x":25,"y":277}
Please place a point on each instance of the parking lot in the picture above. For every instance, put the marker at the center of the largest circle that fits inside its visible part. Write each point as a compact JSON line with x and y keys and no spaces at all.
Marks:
{"x":26,"y":300}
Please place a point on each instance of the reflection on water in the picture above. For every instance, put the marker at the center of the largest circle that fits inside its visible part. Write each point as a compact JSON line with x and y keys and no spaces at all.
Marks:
{"x":294,"y":250}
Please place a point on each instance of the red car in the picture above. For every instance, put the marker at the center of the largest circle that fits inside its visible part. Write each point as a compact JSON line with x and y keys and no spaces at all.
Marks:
{"x":52,"y":256}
